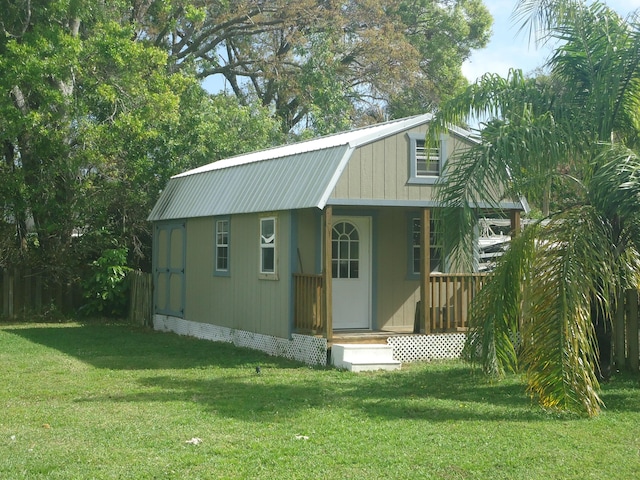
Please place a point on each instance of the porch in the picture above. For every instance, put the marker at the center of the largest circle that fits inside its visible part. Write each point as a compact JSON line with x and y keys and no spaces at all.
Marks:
{"x":436,"y":303}
{"x":448,"y":297}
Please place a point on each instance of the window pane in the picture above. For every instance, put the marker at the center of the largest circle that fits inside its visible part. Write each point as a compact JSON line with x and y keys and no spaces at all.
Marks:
{"x":435,"y":250}
{"x":268,"y":260}
{"x":355,"y":254}
{"x":268,"y":245}
{"x":344,"y":249}
{"x":267,"y":231}
{"x":427,"y":159}
{"x":222,"y":262}
{"x":354,"y":269}
{"x":343,"y":270}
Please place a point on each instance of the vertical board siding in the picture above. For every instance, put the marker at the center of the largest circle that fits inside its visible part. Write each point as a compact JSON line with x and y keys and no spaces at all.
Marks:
{"x":240,"y":300}
{"x":397,"y":294}
{"x":308,"y":248}
{"x":369,"y":157}
{"x":354,"y":180}
{"x":380,"y":170}
{"x":200,"y":251}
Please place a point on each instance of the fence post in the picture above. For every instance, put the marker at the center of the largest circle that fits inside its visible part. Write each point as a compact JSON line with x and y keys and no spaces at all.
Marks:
{"x":10,"y":279}
{"x":141,"y":298}
{"x":619,"y":347}
{"x":632,"y":330}
{"x":5,"y":293}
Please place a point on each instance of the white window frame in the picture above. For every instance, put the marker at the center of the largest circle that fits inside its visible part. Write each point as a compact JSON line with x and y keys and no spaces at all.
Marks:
{"x":219,"y":245}
{"x":268,"y":242}
{"x":417,"y":153}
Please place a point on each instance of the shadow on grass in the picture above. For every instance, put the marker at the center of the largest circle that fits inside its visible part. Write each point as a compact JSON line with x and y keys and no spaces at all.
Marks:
{"x":447,"y":393}
{"x":222,"y":379}
{"x":122,"y":347}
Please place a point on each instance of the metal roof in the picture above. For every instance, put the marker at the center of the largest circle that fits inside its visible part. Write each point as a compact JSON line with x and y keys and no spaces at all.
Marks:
{"x":299,"y":175}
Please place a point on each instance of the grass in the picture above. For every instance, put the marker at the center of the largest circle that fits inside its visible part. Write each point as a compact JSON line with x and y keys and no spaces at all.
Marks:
{"x":111,"y":401}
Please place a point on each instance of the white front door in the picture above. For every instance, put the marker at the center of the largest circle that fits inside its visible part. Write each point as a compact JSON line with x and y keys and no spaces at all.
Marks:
{"x":351,"y":272}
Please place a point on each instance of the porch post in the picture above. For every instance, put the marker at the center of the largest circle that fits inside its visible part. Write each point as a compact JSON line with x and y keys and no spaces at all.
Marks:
{"x":425,"y":270}
{"x":326,"y":273}
{"x":514,"y":216}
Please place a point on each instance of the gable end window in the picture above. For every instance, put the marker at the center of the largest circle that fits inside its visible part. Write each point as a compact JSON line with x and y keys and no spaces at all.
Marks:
{"x":268,"y":247}
{"x":222,"y":247}
{"x":425,"y":162}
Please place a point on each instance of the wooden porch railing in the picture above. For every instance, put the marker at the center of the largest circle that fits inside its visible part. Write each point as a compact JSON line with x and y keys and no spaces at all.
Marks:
{"x":450,"y":296}
{"x":307,"y":303}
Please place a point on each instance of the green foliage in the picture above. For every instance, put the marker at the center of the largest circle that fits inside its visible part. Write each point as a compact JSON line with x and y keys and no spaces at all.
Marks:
{"x":93,"y":126}
{"x":326,"y":94}
{"x":431,"y":28}
{"x":496,"y":313}
{"x":105,"y":287}
{"x":571,"y":134}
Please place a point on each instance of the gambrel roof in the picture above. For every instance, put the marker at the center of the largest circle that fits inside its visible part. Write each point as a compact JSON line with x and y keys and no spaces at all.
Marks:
{"x":294,"y":176}
{"x":298,"y":175}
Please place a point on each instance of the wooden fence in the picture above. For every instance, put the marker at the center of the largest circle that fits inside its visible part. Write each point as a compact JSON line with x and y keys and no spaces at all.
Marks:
{"x":626,"y":341}
{"x":28,"y":292}
{"x":141,"y":298}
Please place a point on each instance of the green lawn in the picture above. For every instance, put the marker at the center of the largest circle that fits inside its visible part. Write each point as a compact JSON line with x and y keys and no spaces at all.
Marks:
{"x":111,"y":401}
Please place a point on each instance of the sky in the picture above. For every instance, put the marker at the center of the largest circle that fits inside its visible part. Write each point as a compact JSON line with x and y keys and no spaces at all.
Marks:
{"x":510,"y":49}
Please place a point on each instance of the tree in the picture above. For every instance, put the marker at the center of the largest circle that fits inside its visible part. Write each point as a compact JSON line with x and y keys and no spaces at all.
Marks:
{"x":290,"y":55}
{"x":558,"y":286}
{"x":430,"y":29}
{"x":92,"y":128}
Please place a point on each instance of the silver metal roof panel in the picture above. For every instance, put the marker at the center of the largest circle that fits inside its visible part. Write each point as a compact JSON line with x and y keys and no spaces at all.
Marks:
{"x":300,"y":180}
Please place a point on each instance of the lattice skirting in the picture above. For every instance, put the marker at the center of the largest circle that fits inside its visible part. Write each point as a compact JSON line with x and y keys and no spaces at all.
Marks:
{"x":409,"y":348}
{"x":302,"y":348}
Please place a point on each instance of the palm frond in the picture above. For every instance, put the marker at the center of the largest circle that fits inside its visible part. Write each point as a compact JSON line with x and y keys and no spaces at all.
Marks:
{"x":573,"y":268}
{"x":540,"y":17}
{"x":497,"y":309}
{"x":514,"y":158}
{"x":599,"y":59}
{"x":614,"y":189}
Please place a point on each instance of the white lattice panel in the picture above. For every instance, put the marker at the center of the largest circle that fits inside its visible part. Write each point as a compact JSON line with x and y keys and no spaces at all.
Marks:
{"x":310,"y":350}
{"x":409,"y":348}
{"x":302,"y":348}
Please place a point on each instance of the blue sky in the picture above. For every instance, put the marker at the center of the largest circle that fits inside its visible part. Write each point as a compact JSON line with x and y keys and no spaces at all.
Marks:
{"x":510,"y":49}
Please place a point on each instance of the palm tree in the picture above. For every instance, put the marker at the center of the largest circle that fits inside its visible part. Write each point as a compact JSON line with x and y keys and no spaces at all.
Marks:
{"x":574,"y":131}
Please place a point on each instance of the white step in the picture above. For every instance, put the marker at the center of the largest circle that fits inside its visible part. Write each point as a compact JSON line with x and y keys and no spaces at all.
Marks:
{"x":363,"y":357}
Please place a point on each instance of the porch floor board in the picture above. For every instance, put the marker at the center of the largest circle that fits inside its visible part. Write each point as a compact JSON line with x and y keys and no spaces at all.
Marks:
{"x":369,"y":336}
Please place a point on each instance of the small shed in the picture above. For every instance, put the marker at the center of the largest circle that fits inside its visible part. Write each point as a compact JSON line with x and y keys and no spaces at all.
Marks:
{"x":284,"y":249}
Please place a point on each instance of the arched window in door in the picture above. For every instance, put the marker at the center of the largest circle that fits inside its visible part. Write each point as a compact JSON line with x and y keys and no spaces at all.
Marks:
{"x":345,"y":257}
